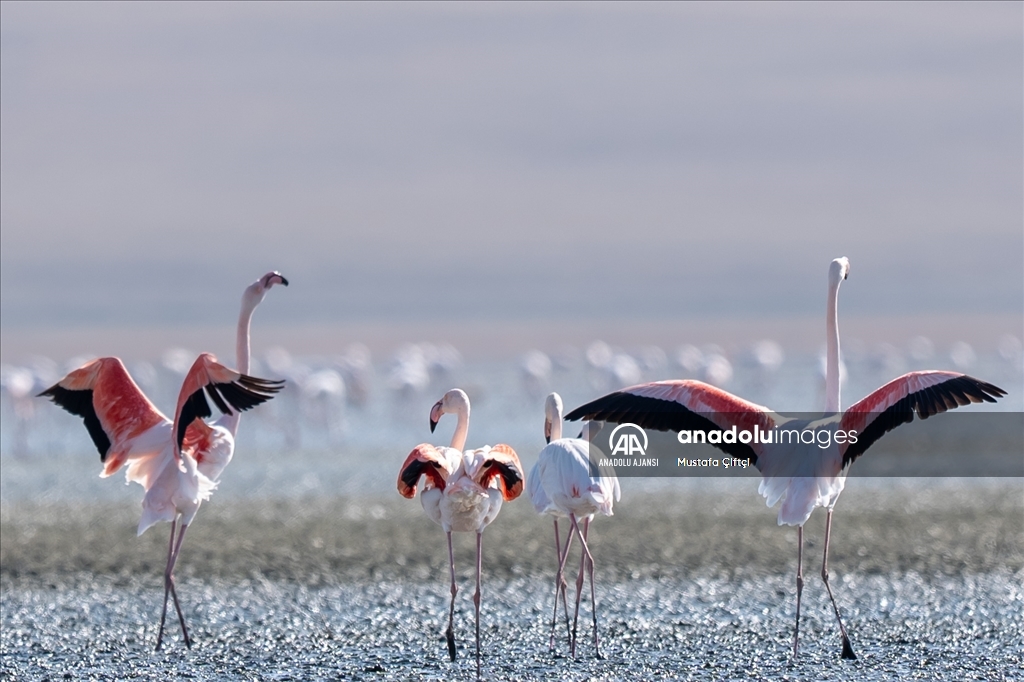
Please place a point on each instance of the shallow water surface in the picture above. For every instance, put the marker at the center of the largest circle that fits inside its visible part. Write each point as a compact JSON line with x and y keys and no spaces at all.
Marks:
{"x":707,"y":628}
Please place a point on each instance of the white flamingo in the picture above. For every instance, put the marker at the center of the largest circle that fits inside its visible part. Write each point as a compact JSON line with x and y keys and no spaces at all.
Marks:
{"x":561,"y":484}
{"x":463,"y":491}
{"x":801,"y":477}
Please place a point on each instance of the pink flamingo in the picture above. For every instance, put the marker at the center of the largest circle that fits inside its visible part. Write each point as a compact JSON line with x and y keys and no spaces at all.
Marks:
{"x":463,"y":491}
{"x":126,"y":427}
{"x":561,"y":484}
{"x":166,"y":458}
{"x":802,"y":478}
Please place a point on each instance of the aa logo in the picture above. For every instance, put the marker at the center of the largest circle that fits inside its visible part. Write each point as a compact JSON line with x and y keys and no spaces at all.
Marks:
{"x":628,"y":439}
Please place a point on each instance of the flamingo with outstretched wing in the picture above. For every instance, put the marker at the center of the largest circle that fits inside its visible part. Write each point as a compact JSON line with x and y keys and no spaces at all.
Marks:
{"x":801,"y":477}
{"x":166,"y":458}
{"x":125,"y":426}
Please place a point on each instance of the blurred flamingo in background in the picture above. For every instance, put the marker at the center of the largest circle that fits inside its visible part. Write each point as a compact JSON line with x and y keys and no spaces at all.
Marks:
{"x":357,"y":369}
{"x":168,"y":459}
{"x":463,"y":491}
{"x":535,"y":372}
{"x":410,"y":372}
{"x":561,"y":484}
{"x":18,"y":383}
{"x":323,"y":399}
{"x":801,"y":477}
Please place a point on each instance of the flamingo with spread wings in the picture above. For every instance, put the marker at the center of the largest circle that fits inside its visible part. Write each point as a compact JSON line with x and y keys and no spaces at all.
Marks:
{"x":166,"y":458}
{"x":126,"y":427}
{"x":462,"y":491}
{"x":561,"y":484}
{"x":801,"y":477}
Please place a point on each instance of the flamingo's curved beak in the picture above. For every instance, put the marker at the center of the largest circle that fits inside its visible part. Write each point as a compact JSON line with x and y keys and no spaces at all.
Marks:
{"x":276,"y":278}
{"x":547,"y":430}
{"x":435,"y":415}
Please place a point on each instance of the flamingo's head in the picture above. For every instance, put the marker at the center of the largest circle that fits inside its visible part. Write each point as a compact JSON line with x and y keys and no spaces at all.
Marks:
{"x":454,"y":400}
{"x":255,"y":292}
{"x":552,"y":414}
{"x":838,"y":270}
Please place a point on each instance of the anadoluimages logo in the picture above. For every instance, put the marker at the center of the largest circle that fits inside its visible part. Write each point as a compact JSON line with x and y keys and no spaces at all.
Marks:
{"x":628,"y":439}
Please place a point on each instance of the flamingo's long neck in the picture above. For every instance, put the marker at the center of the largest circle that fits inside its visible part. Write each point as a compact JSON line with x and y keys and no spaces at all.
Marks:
{"x":832,"y":349}
{"x":242,"y":337}
{"x":556,"y":426}
{"x":241,"y":357}
{"x":461,"y":428}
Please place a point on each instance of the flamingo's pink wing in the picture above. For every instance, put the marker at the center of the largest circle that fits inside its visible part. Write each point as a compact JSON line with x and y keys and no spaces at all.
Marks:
{"x":114,"y":408}
{"x":921,"y":393}
{"x":424,"y":460}
{"x":502,"y":463}
{"x":679,"y":405}
{"x":229,"y":390}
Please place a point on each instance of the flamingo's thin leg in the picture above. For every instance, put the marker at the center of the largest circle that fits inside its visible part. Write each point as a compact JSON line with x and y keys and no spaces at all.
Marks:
{"x":476,"y":596}
{"x":174,"y":591}
{"x":450,"y":632}
{"x":167,"y":584}
{"x":584,"y":557}
{"x":847,"y":648}
{"x":799,"y":584}
{"x":560,"y":588}
{"x":593,"y":589}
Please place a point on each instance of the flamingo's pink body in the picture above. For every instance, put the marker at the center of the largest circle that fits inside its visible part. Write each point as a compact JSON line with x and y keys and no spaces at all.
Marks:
{"x":801,"y":477}
{"x":470,"y":497}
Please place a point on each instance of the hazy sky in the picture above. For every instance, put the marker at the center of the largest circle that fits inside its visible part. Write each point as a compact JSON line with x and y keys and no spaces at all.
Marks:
{"x":446,"y":161}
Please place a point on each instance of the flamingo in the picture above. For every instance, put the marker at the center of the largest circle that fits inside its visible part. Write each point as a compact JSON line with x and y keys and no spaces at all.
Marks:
{"x":802,"y":478}
{"x":463,"y":491}
{"x":561,"y":484}
{"x":166,"y":458}
{"x":146,"y":435}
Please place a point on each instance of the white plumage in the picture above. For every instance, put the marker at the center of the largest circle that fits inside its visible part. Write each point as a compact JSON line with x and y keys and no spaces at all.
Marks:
{"x":561,"y":484}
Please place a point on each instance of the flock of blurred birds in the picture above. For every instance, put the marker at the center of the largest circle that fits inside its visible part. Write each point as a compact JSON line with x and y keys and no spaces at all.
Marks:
{"x":331,"y":400}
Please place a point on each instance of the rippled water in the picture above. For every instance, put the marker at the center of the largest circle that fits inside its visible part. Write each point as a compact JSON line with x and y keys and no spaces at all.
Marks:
{"x":902,"y":627}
